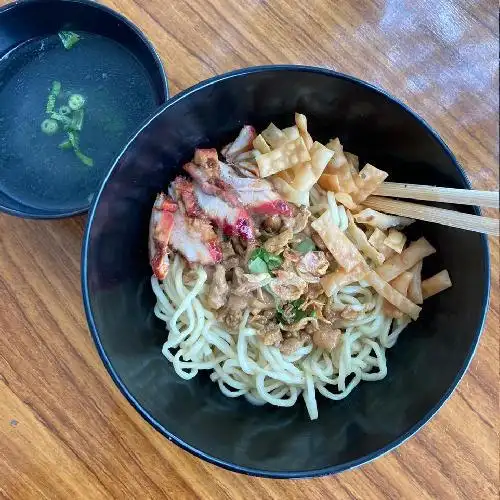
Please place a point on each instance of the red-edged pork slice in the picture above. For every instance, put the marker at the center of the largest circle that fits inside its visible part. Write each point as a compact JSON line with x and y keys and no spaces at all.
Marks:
{"x":205,"y":170}
{"x":233,"y":220}
{"x":256,"y":195}
{"x":195,"y":239}
{"x":160,"y":230}
{"x":178,"y":222}
{"x":183,"y":189}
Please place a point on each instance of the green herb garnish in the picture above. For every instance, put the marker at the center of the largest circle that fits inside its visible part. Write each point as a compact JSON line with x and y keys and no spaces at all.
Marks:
{"x":76,"y":101}
{"x":74,"y":140}
{"x":64,"y":110}
{"x":69,"y":38}
{"x":51,"y":100}
{"x":49,"y":126}
{"x":66,"y":144}
{"x":306,"y":245}
{"x":77,"y":120}
{"x":69,"y":117}
{"x":261,"y":255}
{"x":63,"y":119}
{"x":292,"y":313}
{"x":86,"y":160}
{"x":257,"y":266}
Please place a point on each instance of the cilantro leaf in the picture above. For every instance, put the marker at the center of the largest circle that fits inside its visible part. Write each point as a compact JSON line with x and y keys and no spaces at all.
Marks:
{"x":270,"y":260}
{"x":306,"y":245}
{"x":291,"y":312}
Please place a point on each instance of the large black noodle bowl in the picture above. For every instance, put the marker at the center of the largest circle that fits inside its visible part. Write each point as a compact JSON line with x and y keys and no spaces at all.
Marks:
{"x":424,"y":367}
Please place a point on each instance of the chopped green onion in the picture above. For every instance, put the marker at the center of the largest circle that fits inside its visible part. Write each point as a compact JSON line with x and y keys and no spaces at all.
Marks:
{"x":49,"y":126}
{"x":295,"y":314}
{"x":66,"y":144}
{"x":64,"y":120}
{"x":271,"y":260}
{"x":77,"y":120}
{"x":64,"y":110}
{"x":56,"y":87}
{"x":68,"y":38}
{"x":86,"y":160}
{"x":70,"y":116}
{"x":74,"y":140}
{"x":51,"y":100}
{"x":306,"y":245}
{"x":51,"y":104}
{"x":76,"y":101}
{"x":257,"y":266}
{"x":274,"y":261}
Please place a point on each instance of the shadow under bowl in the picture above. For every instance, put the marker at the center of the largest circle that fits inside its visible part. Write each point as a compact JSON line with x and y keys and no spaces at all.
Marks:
{"x":424,"y":367}
{"x":25,"y":21}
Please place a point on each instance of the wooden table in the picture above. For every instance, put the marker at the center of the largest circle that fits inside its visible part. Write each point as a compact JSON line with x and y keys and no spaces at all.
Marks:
{"x":67,"y":432}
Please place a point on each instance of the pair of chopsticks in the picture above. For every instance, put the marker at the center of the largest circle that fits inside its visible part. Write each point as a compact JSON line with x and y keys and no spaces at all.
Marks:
{"x":382,"y":202}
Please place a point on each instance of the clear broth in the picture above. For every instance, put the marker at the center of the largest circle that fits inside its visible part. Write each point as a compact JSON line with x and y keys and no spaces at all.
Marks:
{"x":119,"y":97}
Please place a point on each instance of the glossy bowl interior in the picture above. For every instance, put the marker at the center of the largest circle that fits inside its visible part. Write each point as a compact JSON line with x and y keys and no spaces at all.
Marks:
{"x":31,"y":19}
{"x":425,"y":365}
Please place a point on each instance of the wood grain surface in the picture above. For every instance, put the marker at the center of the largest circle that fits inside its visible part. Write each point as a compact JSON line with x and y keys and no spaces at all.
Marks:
{"x":66,"y":431}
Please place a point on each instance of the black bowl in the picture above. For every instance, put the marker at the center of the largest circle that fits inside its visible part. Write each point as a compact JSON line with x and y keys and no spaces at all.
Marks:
{"x":31,"y":19}
{"x":425,"y":365}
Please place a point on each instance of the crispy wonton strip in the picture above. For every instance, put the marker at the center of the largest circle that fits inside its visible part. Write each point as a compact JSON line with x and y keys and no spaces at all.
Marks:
{"x":401,"y":284}
{"x":291,"y":133}
{"x":399,"y":263}
{"x":273,"y":136}
{"x":353,"y":160}
{"x":287,"y":192}
{"x":361,"y":241}
{"x":261,"y":145}
{"x":307,"y":174}
{"x":320,"y":156}
{"x":391,"y":295}
{"x":346,"y":200}
{"x":301,"y":122}
{"x":367,"y":182}
{"x":395,"y":240}
{"x":382,"y":221}
{"x":340,"y":278}
{"x":377,"y":239}
{"x":339,"y":158}
{"x":329,"y":182}
{"x":286,"y":175}
{"x":289,"y":155}
{"x":415,"y":288}
{"x":339,"y":166}
{"x":437,"y":283}
{"x":346,"y":179}
{"x":339,"y":245}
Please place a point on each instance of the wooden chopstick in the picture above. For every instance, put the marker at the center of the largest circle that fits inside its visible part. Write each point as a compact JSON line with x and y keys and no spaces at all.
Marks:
{"x":439,"y":194}
{"x":442,"y":216}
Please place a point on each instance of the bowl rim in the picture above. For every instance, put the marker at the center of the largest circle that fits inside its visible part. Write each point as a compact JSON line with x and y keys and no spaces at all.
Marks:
{"x":156,"y":59}
{"x":193,"y":449}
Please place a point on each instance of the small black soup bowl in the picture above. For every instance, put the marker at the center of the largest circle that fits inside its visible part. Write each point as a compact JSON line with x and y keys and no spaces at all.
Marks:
{"x":424,"y":367}
{"x":24,"y":21}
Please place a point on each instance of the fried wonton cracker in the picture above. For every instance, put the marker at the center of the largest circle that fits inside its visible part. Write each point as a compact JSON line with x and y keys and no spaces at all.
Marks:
{"x":289,"y":155}
{"x":339,"y":245}
{"x":437,"y":283}
{"x":399,"y":263}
